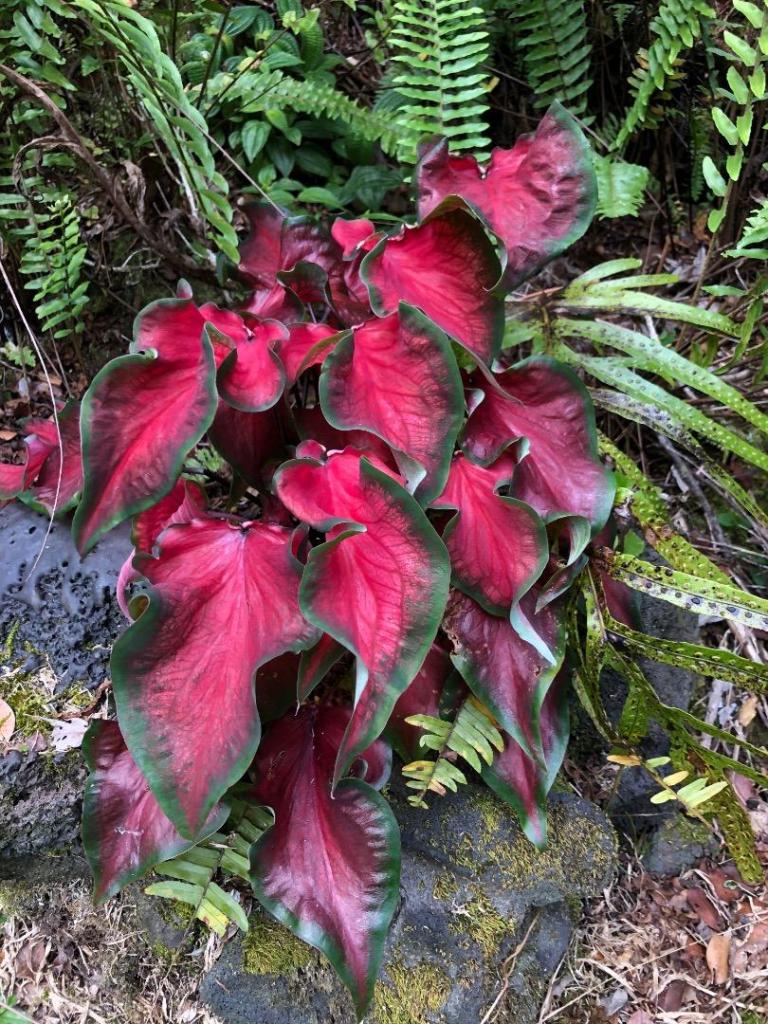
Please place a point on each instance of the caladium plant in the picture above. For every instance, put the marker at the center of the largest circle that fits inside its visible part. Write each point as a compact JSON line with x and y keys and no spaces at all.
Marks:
{"x":392,"y":546}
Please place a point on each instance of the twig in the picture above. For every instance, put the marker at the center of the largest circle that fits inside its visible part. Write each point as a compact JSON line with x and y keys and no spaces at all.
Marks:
{"x":104,"y":180}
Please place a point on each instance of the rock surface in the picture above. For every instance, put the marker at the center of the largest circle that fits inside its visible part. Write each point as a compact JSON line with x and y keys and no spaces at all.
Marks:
{"x":57,"y":625}
{"x":473,"y":888}
{"x":677,"y":845}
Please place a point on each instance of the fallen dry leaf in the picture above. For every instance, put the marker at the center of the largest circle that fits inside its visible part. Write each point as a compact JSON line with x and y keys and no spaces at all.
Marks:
{"x":30,"y":959}
{"x":748,"y":710}
{"x":68,"y":735}
{"x":7,"y":721}
{"x":640,"y":1017}
{"x":718,"y":957}
{"x":701,"y":906}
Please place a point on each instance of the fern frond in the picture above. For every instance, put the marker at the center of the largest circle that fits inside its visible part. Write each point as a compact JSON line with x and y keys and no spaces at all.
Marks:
{"x":322,"y":99}
{"x":620,"y":187}
{"x":438,"y":51}
{"x":472,"y":736}
{"x":753,"y":243}
{"x":675,"y":28}
{"x":192,"y":873}
{"x":551,"y":37}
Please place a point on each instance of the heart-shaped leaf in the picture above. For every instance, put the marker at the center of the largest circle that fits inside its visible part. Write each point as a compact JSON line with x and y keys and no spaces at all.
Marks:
{"x":392,"y":569}
{"x":329,"y":868}
{"x":498,"y":545}
{"x":57,"y":483}
{"x":397,"y":377}
{"x":223,"y":600}
{"x":559,"y":471}
{"x":537,"y":197}
{"x":141,"y":416}
{"x":251,"y":377}
{"x":125,"y":833}
{"x":447,"y":268}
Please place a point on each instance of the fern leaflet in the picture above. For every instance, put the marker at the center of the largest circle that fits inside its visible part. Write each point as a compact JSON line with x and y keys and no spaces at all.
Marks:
{"x":472,"y":736}
{"x":438,"y":51}
{"x":551,"y":37}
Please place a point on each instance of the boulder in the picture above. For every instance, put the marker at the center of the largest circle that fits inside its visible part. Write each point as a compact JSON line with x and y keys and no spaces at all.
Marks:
{"x":484,"y":920}
{"x":58,"y":620}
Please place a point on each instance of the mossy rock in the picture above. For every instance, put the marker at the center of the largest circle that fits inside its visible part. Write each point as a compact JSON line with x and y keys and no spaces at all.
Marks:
{"x":472,"y":887}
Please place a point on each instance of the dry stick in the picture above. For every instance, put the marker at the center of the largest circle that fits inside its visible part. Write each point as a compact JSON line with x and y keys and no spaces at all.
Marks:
{"x":105,"y":181}
{"x":41,"y":357}
{"x":509,"y":965}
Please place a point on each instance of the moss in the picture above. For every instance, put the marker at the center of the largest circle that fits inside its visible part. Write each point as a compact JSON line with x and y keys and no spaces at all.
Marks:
{"x":21,"y":690}
{"x":410,"y":995}
{"x":269,"y":948}
{"x":17,"y":898}
{"x":445,"y":887}
{"x":174,"y":912}
{"x":78,"y":695}
{"x":491,"y":811}
{"x":573,"y":844}
{"x":483,"y":923}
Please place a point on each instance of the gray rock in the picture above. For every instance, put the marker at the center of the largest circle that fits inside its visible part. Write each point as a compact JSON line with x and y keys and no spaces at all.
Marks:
{"x":472,"y":888}
{"x":63,"y":611}
{"x":40,"y":802}
{"x":58,"y":620}
{"x":677,"y":845}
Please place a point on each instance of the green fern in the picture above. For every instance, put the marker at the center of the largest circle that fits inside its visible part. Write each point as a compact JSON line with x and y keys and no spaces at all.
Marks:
{"x":551,"y":37}
{"x":319,"y":98}
{"x":472,"y":736}
{"x":438,"y":50}
{"x":52,"y":259}
{"x":752,"y":243}
{"x":675,"y":28}
{"x":192,"y":873}
{"x":620,"y":187}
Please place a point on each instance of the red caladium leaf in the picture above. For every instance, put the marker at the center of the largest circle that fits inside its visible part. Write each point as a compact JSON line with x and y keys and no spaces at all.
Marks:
{"x":383,"y":555}
{"x":281,"y":255}
{"x":184,"y":503}
{"x":125,"y":833}
{"x":398,"y":378}
{"x":503,"y":670}
{"x":307,"y":345}
{"x":141,"y":416}
{"x":559,"y":471}
{"x":524,"y":783}
{"x":312,"y":425}
{"x":447,"y":268}
{"x":253,"y":443}
{"x":12,"y":479}
{"x":498,"y":545}
{"x":223,"y":600}
{"x":316,"y":663}
{"x":537,"y":198}
{"x":329,"y":868}
{"x":424,"y":696}
{"x":57,"y":483}
{"x":251,"y":377}
{"x":352,"y":235}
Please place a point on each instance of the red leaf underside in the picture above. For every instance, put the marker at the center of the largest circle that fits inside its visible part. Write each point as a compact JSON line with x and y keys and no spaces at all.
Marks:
{"x":393,"y":575}
{"x":223,"y":600}
{"x":251,"y":377}
{"x":397,"y":377}
{"x":125,"y":833}
{"x":58,"y":480}
{"x":329,"y":868}
{"x":447,"y":268}
{"x":422,"y":697}
{"x":307,"y":345}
